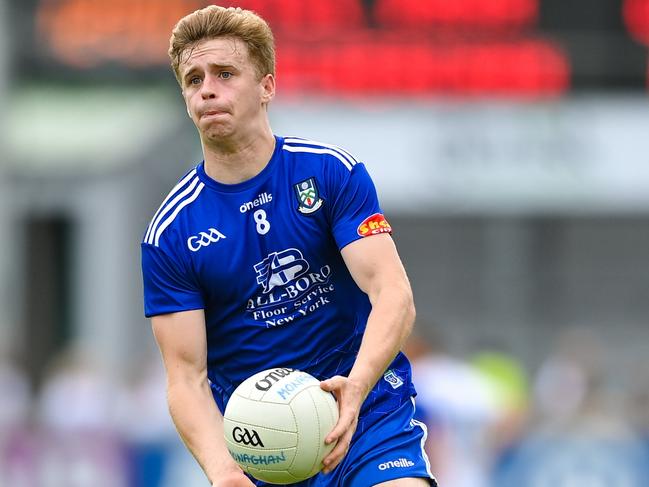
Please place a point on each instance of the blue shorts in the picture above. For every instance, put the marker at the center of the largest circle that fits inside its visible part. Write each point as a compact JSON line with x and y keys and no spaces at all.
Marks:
{"x":388,"y":449}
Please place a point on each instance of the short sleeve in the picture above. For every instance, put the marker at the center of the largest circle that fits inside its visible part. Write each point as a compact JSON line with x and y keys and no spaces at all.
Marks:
{"x":355,"y":212}
{"x":167,"y":288}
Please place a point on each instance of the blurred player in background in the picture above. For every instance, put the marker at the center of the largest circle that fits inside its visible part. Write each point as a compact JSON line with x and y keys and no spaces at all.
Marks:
{"x":274,"y":252}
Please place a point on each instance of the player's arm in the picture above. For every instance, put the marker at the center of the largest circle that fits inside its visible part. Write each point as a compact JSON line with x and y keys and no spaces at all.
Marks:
{"x":183,"y":344}
{"x":376,"y":267}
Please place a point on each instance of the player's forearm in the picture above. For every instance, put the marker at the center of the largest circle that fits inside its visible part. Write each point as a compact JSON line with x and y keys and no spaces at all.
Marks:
{"x":200,"y":425}
{"x":388,"y":325}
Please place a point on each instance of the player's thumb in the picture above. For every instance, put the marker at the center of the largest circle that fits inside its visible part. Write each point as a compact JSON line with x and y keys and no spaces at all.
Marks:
{"x":332,"y":383}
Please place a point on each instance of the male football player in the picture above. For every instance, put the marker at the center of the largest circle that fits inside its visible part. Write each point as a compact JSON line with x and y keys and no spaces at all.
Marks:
{"x":274,"y":252}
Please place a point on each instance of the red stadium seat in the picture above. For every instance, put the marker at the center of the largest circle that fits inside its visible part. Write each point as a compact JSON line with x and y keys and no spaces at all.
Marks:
{"x":324,"y":48}
{"x":381,"y":66}
{"x":636,"y":19}
{"x":305,"y":15}
{"x":485,"y":14}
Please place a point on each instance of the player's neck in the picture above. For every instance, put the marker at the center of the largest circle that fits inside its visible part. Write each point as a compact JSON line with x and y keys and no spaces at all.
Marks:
{"x":238,"y":160}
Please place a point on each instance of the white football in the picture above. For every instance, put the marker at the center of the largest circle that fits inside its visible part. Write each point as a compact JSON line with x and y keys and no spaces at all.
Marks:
{"x":275,"y":425}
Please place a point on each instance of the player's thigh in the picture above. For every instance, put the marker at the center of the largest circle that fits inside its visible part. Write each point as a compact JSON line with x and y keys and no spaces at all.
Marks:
{"x":408,"y":482}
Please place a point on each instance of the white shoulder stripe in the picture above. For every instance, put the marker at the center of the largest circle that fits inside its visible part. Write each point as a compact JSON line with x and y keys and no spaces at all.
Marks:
{"x":314,"y":150}
{"x":169,"y":207}
{"x":173,"y":216}
{"x":300,"y":140}
{"x":169,"y":196}
{"x":296,"y":140}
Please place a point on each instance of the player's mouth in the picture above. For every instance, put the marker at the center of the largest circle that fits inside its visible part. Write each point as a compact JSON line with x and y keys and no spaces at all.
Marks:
{"x":213,"y":113}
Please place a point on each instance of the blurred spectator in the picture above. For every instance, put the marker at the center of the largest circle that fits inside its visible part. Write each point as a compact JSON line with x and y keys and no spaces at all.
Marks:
{"x":156,"y":455}
{"x":458,"y":405}
{"x":15,"y":407}
{"x":78,"y":408}
{"x":508,"y":382}
{"x":79,"y":394}
{"x":573,"y":371}
{"x":145,"y":417}
{"x":581,"y":437}
{"x":146,"y":425}
{"x":577,"y":389}
{"x":15,"y":396}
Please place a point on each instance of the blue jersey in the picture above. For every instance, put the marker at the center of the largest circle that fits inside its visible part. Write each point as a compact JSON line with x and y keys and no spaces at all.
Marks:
{"x":262,"y":259}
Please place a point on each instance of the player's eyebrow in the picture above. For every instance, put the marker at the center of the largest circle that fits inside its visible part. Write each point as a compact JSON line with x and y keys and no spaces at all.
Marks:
{"x":191,"y":70}
{"x":194,"y":68}
{"x":222,"y":65}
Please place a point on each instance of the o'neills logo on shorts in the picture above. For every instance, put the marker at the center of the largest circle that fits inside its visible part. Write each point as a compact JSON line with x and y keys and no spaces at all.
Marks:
{"x":400,"y":463}
{"x":374,"y":225}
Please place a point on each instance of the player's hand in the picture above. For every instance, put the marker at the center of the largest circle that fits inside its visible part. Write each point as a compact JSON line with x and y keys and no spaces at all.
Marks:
{"x":233,"y":479}
{"x":350,"y":396}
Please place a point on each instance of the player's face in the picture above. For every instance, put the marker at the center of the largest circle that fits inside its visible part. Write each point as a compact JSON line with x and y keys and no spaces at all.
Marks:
{"x":222,"y":89}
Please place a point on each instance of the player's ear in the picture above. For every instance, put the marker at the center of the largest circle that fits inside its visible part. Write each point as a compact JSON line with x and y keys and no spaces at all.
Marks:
{"x":268,"y":88}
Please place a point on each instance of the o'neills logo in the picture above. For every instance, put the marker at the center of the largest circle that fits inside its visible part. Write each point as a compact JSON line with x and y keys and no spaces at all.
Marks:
{"x":400,"y":463}
{"x":271,"y":378}
{"x":374,"y":225}
{"x":261,"y":199}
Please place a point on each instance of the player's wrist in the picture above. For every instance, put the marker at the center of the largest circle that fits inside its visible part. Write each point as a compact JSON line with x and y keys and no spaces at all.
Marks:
{"x":225,"y":471}
{"x":360,"y":385}
{"x":362,"y":380}
{"x":234,"y":478}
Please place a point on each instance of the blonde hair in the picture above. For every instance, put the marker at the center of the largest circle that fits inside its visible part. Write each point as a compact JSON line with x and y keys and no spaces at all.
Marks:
{"x":214,"y":22}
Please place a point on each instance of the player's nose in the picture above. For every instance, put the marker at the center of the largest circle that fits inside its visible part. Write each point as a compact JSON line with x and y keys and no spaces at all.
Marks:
{"x":208,"y":88}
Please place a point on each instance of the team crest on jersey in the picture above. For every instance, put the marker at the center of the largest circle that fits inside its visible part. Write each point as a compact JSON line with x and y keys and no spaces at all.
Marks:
{"x":308,"y":197}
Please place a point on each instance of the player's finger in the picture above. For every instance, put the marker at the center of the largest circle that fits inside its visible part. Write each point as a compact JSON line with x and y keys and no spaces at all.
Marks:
{"x":344,"y":422}
{"x":338,"y":453}
{"x":334,"y":459}
{"x":337,"y":432}
{"x":347,"y":431}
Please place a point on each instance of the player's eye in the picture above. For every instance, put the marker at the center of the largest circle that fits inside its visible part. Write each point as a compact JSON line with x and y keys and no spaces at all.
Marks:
{"x":225,"y":74}
{"x":194,"y":80}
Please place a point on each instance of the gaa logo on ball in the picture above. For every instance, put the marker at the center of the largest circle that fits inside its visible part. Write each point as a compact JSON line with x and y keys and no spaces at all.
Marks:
{"x":275,"y":425}
{"x":245,"y":437}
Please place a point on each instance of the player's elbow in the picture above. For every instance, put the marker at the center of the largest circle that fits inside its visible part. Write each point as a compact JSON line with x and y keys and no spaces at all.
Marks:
{"x":410,"y":313}
{"x":183,"y":379}
{"x":185,"y":390}
{"x":406,"y":306}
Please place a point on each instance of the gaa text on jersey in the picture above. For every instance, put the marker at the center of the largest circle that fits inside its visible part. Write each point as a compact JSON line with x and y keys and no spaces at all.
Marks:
{"x":261,"y":199}
{"x":203,"y":239}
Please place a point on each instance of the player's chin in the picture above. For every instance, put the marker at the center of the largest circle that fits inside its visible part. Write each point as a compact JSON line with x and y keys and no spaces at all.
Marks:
{"x":215,"y":131}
